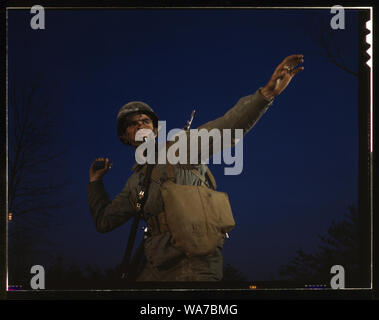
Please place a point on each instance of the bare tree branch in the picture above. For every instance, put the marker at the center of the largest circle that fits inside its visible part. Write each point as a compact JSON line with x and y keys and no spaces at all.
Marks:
{"x":330,"y":43}
{"x":30,"y":155}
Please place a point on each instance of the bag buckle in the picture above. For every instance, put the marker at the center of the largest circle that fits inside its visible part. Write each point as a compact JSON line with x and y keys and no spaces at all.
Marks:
{"x":146,"y":232}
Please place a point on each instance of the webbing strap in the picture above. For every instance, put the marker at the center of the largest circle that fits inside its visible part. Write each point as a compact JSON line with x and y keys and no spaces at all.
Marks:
{"x":212,"y":181}
{"x":197,"y":174}
{"x":170,"y":172}
{"x":156,"y":175}
{"x":211,"y":178}
{"x":126,"y":263}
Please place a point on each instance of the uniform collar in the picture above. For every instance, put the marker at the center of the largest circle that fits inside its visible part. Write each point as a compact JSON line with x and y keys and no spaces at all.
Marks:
{"x":136,"y":165}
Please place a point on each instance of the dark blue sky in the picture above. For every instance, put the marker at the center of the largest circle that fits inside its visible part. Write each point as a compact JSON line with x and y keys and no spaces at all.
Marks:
{"x":300,"y":161}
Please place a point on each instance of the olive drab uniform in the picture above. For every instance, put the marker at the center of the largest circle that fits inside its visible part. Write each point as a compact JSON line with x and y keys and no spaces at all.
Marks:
{"x":164,"y":260}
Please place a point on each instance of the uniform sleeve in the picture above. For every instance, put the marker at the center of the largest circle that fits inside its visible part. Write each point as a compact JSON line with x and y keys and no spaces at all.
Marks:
{"x":106,"y":214}
{"x":208,"y":139}
{"x":243,"y":115}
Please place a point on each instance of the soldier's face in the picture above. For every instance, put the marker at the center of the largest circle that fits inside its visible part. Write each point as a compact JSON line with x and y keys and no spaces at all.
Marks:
{"x":135,"y":123}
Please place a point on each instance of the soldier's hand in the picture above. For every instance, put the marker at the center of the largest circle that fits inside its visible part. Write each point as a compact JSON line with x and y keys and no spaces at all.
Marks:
{"x":95,"y":175}
{"x":282,"y":76}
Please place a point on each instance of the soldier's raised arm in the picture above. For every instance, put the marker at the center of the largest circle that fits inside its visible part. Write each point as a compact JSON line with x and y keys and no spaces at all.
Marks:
{"x":248,"y":110}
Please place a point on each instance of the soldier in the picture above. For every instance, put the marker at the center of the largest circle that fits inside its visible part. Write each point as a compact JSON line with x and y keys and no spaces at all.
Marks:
{"x":164,"y":260}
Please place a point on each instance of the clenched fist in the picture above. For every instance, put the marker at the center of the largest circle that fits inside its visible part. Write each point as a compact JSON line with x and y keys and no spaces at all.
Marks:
{"x":95,"y":175}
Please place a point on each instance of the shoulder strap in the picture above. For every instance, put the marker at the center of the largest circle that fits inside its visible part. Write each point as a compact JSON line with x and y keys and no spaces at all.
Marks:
{"x":197,"y":174}
{"x":208,"y":173}
{"x":125,"y":264}
{"x":211,"y":179}
{"x":170,"y":172}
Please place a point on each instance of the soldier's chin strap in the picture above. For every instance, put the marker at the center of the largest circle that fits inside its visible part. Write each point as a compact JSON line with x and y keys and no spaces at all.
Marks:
{"x":128,"y":268}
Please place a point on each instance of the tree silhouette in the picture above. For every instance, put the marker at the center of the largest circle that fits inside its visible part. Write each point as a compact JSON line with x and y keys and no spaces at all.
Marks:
{"x":59,"y":275}
{"x":333,"y":43}
{"x":30,"y":138}
{"x":32,"y":184}
{"x":230,"y":273}
{"x":339,"y":247}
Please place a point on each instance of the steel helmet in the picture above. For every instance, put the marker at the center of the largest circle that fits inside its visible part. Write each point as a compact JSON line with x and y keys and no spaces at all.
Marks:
{"x":130,"y":108}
